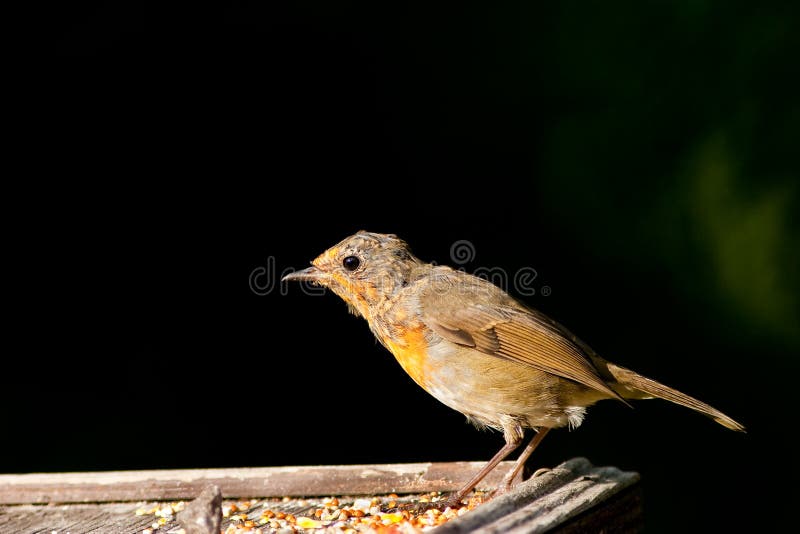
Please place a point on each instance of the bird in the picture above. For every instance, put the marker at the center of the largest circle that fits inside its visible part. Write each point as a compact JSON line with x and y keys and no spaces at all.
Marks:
{"x":478,"y":350}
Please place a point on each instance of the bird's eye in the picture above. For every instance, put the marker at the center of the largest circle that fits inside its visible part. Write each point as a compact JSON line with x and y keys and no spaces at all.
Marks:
{"x":351,"y":263}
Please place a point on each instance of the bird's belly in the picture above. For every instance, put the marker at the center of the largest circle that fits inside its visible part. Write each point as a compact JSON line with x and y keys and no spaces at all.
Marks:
{"x":490,"y":390}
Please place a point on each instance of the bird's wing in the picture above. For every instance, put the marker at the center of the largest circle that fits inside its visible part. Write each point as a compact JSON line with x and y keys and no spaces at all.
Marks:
{"x":467,"y":312}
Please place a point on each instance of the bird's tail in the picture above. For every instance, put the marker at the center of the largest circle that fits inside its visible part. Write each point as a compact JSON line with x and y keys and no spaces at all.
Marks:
{"x":631,"y":385}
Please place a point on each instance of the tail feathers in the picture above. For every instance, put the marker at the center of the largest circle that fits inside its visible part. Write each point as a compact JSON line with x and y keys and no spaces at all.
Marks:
{"x":631,"y":385}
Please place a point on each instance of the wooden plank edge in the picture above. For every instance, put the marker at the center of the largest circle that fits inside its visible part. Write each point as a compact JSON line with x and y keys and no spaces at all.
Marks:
{"x":621,"y":513}
{"x":547,"y":501}
{"x":252,"y":482}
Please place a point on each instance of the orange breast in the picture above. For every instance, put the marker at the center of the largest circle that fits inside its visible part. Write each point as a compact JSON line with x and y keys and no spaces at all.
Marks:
{"x":411,"y":351}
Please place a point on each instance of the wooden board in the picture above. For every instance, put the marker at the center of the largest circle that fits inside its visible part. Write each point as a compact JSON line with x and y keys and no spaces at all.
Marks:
{"x":250,"y":482}
{"x":572,"y":497}
{"x":556,"y":498}
{"x":73,"y":518}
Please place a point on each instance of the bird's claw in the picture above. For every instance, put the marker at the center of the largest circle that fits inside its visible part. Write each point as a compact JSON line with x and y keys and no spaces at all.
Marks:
{"x":420,"y":507}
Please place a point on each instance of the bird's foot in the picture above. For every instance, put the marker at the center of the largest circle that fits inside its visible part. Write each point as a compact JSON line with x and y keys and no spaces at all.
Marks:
{"x":501,"y":490}
{"x":540,"y":471}
{"x":420,"y":507}
{"x":441,"y":504}
{"x":507,"y":485}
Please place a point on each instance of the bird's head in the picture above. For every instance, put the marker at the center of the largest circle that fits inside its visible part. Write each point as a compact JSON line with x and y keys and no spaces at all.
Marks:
{"x":363,"y":269}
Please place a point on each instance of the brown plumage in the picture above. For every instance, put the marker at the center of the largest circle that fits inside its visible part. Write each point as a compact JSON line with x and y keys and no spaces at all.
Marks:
{"x":477,"y":349}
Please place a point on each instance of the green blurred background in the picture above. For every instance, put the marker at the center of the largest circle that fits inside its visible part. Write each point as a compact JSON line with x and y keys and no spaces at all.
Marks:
{"x":641,"y":156}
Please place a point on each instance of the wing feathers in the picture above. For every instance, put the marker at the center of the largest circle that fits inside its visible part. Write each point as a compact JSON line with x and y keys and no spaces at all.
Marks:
{"x":474,"y":315}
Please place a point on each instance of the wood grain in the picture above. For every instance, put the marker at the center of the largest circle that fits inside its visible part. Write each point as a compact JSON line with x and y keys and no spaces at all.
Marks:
{"x":572,"y":497}
{"x":116,"y":486}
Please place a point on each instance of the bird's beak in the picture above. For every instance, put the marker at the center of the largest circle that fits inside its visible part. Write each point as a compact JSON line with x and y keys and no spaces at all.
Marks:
{"x":311,"y":274}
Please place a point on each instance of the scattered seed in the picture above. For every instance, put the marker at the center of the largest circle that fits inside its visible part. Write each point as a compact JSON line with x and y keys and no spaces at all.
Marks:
{"x":307,"y":522}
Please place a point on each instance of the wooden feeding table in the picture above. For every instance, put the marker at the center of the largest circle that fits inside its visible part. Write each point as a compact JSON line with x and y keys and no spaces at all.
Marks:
{"x":572,"y":497}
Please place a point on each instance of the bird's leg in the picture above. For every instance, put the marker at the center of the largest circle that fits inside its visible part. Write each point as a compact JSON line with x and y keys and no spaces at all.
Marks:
{"x":508,"y":480}
{"x":512,"y":442}
{"x":513,"y":439}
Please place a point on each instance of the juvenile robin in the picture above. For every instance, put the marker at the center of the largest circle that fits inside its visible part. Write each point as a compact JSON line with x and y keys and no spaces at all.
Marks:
{"x":476,"y":349}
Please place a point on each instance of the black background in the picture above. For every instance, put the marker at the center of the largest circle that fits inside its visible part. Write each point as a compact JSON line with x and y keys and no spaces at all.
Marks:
{"x":642,"y":159}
